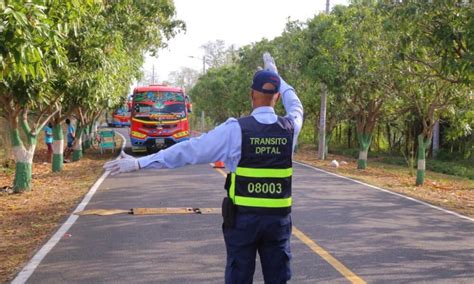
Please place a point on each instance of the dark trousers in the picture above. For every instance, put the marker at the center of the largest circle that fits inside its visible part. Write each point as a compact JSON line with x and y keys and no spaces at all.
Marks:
{"x":267,"y":234}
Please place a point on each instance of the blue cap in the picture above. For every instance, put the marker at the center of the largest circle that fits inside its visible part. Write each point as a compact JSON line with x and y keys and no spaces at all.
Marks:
{"x":263,"y":77}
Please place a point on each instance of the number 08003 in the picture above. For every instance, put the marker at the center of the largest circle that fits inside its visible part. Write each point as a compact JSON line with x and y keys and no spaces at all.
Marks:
{"x":272,"y":188}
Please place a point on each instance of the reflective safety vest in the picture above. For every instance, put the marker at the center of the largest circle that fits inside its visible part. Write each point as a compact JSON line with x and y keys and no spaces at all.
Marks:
{"x":262,"y":180}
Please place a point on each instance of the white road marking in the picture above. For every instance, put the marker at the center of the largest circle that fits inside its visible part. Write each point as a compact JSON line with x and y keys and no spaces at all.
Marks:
{"x":28,"y":270}
{"x":388,"y":191}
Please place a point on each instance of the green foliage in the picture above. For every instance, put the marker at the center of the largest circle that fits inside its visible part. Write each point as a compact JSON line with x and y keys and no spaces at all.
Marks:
{"x":461,"y":119}
{"x":33,"y":37}
{"x":392,"y":68}
{"x":434,"y":39}
{"x":307,"y":134}
{"x":24,"y":55}
{"x":222,"y":93}
{"x":59,"y":58}
{"x":106,"y":55}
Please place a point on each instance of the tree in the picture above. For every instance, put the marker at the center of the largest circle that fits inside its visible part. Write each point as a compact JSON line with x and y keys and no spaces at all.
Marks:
{"x":220,"y":93}
{"x":323,"y":71}
{"x":370,"y":82}
{"x":347,"y":52}
{"x":436,"y":60}
{"x":106,"y":55}
{"x":65,"y":57}
{"x":185,"y":77}
{"x":216,"y":54}
{"x":28,"y":64}
{"x":391,"y":68}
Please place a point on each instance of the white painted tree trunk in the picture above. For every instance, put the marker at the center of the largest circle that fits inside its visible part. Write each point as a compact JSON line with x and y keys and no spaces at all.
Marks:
{"x":23,"y":167}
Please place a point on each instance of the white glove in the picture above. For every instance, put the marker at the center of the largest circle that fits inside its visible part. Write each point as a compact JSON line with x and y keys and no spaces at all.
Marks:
{"x":269,"y":63}
{"x":123,"y":165}
{"x":124,"y":155}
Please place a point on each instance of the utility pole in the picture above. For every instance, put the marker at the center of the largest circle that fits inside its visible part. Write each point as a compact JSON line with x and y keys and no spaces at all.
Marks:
{"x":203,"y":64}
{"x":153,"y":75}
{"x":203,"y":122}
{"x":322,"y":114}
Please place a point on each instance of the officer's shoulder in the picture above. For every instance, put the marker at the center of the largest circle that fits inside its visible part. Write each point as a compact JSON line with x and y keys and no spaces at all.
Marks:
{"x":230,"y":121}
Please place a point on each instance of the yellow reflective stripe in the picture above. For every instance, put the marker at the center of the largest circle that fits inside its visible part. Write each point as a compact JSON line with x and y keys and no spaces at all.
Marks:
{"x":232,"y":187}
{"x":264,"y":173}
{"x":262,"y":202}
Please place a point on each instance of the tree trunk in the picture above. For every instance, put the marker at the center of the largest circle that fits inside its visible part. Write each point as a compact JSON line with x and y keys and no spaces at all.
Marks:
{"x":349,"y":135}
{"x":364,"y":144}
{"x":87,"y":136}
{"x":58,"y":148}
{"x":407,"y":140}
{"x":423,"y":143}
{"x":339,"y":134}
{"x":377,"y":140}
{"x":316,"y":131}
{"x":23,"y":161}
{"x":389,"y":137}
{"x":436,"y":139}
{"x":90,"y":133}
{"x":77,"y":154}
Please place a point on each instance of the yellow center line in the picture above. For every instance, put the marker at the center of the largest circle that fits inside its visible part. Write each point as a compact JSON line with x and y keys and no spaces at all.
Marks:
{"x":351,"y":276}
{"x":346,"y":272}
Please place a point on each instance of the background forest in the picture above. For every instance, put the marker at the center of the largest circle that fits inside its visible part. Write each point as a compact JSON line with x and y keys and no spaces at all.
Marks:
{"x":397,"y":76}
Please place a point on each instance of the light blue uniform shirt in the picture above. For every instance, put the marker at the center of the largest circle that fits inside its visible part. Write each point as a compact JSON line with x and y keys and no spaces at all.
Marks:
{"x":48,"y":135}
{"x":70,"y":132}
{"x":224,"y":142}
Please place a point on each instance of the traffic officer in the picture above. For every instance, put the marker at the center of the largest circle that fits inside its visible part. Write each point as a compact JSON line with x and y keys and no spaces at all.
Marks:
{"x":257,"y":150}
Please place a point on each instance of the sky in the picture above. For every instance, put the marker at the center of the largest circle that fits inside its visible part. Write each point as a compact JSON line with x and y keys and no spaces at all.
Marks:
{"x":238,"y":22}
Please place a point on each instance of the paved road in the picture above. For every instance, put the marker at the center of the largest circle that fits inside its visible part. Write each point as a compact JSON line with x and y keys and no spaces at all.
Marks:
{"x":347,"y":231}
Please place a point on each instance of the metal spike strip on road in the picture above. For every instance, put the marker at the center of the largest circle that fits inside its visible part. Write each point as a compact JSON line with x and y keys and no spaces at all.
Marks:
{"x":103,"y":212}
{"x":151,"y":211}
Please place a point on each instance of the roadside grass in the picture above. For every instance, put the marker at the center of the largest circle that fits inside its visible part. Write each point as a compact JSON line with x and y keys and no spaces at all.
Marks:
{"x":29,"y":219}
{"x":446,"y":163}
{"x":446,"y":191}
{"x":459,"y":168}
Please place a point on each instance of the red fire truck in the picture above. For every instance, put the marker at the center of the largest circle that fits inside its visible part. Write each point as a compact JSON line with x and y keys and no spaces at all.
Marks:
{"x":159,"y":117}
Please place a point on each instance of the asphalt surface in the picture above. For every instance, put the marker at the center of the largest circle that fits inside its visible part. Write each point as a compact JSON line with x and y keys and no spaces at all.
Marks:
{"x":378,"y":236}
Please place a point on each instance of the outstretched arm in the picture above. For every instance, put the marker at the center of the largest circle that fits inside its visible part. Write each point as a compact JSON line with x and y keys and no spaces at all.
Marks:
{"x":219,"y":144}
{"x":291,"y":102}
{"x":292,"y":105}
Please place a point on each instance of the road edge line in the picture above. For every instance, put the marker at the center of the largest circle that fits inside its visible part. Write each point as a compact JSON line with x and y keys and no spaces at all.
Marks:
{"x":35,"y":261}
{"x":388,"y":191}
